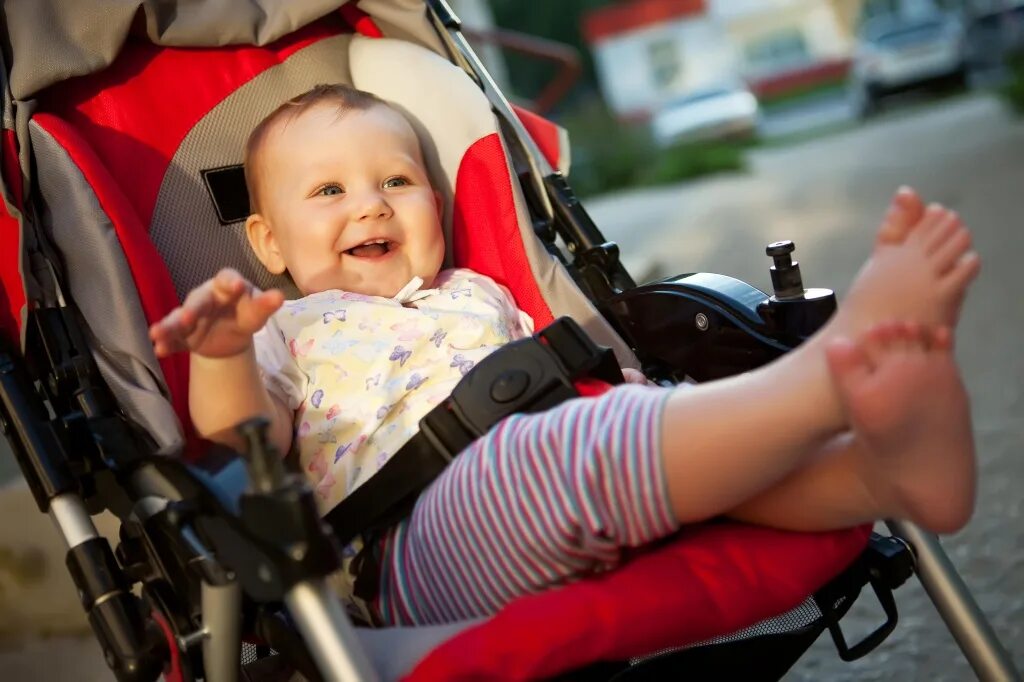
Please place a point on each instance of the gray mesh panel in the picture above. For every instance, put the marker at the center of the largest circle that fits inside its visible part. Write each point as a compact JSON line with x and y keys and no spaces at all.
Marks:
{"x":803,"y":615}
{"x":99,"y":281}
{"x":185,"y":228}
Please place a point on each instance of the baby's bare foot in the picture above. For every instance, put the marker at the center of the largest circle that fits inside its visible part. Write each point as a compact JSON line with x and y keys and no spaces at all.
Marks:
{"x":922,"y":278}
{"x":904,"y":399}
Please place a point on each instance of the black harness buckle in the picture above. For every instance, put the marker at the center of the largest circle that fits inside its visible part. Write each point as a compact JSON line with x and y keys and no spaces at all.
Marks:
{"x":528,"y":375}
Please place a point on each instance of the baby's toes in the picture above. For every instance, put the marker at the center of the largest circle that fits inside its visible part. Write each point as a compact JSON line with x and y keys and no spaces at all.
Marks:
{"x":849,"y":365}
{"x":944,"y":228}
{"x":949,"y":253}
{"x":914,"y":337}
{"x":876,"y":342}
{"x":905,"y":211}
{"x":924,"y":231}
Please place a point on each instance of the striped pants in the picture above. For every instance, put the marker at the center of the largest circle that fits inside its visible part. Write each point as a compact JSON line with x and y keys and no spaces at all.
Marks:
{"x":540,"y":500}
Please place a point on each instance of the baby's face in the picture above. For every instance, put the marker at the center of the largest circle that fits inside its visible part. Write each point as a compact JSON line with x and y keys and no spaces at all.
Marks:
{"x":349,"y":202}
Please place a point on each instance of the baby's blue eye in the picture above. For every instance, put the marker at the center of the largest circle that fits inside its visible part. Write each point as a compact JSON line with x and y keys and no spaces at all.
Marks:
{"x":396,"y":182}
{"x":330,"y":190}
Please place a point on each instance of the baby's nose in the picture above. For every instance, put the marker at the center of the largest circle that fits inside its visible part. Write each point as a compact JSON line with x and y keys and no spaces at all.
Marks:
{"x":373,"y":206}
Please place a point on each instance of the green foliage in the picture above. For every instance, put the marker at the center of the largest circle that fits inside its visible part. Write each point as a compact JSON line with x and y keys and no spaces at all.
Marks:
{"x":804,"y":93}
{"x":1012,"y":91}
{"x":689,"y":160}
{"x":609,"y":155}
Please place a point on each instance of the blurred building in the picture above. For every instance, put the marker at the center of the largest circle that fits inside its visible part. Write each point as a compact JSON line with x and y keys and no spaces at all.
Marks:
{"x":650,"y":52}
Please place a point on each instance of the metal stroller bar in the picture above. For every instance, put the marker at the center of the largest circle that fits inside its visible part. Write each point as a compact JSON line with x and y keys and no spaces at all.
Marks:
{"x":448,"y":28}
{"x":946,"y":589}
{"x":328,"y":632}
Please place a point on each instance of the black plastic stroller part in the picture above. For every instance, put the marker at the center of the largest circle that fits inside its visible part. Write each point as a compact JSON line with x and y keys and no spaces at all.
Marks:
{"x":704,"y":326}
{"x":596,"y":262}
{"x":133,"y":646}
{"x":35,"y":445}
{"x":786,"y":279}
{"x":793,"y":310}
{"x":885,"y":565}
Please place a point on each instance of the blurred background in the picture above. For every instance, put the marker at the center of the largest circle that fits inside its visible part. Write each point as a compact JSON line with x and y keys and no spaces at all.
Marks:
{"x":701,"y":131}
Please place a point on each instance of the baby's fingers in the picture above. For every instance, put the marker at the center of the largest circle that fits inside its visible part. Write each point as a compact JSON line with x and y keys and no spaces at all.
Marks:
{"x":254,"y":311}
{"x":170,"y":335}
{"x":229,"y":286}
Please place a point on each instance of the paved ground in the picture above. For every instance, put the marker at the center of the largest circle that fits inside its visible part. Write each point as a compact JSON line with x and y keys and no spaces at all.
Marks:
{"x":827,"y":195}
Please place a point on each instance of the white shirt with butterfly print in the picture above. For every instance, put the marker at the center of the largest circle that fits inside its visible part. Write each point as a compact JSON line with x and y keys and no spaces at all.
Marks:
{"x":361,"y":371}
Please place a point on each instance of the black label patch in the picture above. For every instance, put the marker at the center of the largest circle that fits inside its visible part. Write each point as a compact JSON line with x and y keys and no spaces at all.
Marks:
{"x":227,"y":190}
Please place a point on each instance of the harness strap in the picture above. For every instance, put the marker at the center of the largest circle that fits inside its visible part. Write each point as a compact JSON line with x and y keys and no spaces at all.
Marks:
{"x":528,"y":375}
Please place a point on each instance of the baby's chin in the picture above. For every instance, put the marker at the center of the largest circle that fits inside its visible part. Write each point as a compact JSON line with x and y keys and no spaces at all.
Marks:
{"x":388,"y":289}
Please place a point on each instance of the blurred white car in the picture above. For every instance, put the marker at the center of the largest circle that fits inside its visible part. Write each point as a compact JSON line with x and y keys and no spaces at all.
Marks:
{"x":711,"y":113}
{"x":894,"y":55}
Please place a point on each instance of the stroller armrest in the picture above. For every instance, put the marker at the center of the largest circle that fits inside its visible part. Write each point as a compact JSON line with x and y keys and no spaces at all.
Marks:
{"x":705,"y":326}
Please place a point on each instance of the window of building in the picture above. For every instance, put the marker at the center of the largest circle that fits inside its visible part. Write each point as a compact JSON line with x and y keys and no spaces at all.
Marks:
{"x":777,"y":51}
{"x":665,"y":61}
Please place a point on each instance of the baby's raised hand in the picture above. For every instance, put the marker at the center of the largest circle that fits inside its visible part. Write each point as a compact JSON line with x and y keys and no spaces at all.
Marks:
{"x":217,"y":318}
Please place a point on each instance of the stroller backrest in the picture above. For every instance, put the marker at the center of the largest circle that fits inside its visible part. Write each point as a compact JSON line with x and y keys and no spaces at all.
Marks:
{"x":137,"y":168}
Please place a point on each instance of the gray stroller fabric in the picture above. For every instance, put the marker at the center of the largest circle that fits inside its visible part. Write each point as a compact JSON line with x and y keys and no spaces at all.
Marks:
{"x":98,"y":277}
{"x":53,"y":40}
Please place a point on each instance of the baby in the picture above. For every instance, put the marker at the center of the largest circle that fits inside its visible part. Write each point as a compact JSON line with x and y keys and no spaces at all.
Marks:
{"x":866,"y":420}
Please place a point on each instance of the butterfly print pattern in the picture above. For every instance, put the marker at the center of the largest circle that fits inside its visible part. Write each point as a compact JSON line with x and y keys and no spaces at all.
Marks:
{"x":341,"y":451}
{"x":462,"y":363}
{"x":400,"y":355}
{"x":334,"y":315}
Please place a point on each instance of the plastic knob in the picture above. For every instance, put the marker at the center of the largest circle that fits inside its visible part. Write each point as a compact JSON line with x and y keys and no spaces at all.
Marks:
{"x":785,"y":272}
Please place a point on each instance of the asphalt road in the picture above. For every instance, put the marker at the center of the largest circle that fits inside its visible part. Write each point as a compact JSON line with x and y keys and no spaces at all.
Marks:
{"x":828,"y":196}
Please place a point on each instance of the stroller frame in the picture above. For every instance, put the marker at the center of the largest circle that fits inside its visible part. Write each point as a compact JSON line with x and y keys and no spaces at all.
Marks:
{"x":71,"y":488}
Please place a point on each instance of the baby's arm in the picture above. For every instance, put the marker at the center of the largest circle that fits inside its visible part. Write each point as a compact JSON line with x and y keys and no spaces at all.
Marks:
{"x":216,"y":324}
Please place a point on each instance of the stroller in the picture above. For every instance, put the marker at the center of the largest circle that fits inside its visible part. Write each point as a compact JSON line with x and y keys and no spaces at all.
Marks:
{"x":123,"y":130}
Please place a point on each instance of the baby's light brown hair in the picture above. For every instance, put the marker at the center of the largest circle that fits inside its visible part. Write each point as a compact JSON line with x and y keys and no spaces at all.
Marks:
{"x":346,"y":97}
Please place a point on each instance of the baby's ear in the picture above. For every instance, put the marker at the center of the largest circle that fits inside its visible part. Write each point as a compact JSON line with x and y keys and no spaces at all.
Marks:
{"x":439,"y":200}
{"x":264,"y":244}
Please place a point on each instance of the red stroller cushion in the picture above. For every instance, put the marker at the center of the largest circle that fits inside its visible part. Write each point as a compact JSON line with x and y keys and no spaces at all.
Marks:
{"x":709,"y":579}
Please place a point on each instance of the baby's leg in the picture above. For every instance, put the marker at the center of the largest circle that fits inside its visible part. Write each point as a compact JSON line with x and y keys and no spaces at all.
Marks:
{"x":910,"y":454}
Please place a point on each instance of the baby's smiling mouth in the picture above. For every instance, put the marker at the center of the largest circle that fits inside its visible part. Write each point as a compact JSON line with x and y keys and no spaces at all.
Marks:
{"x":372,"y":248}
